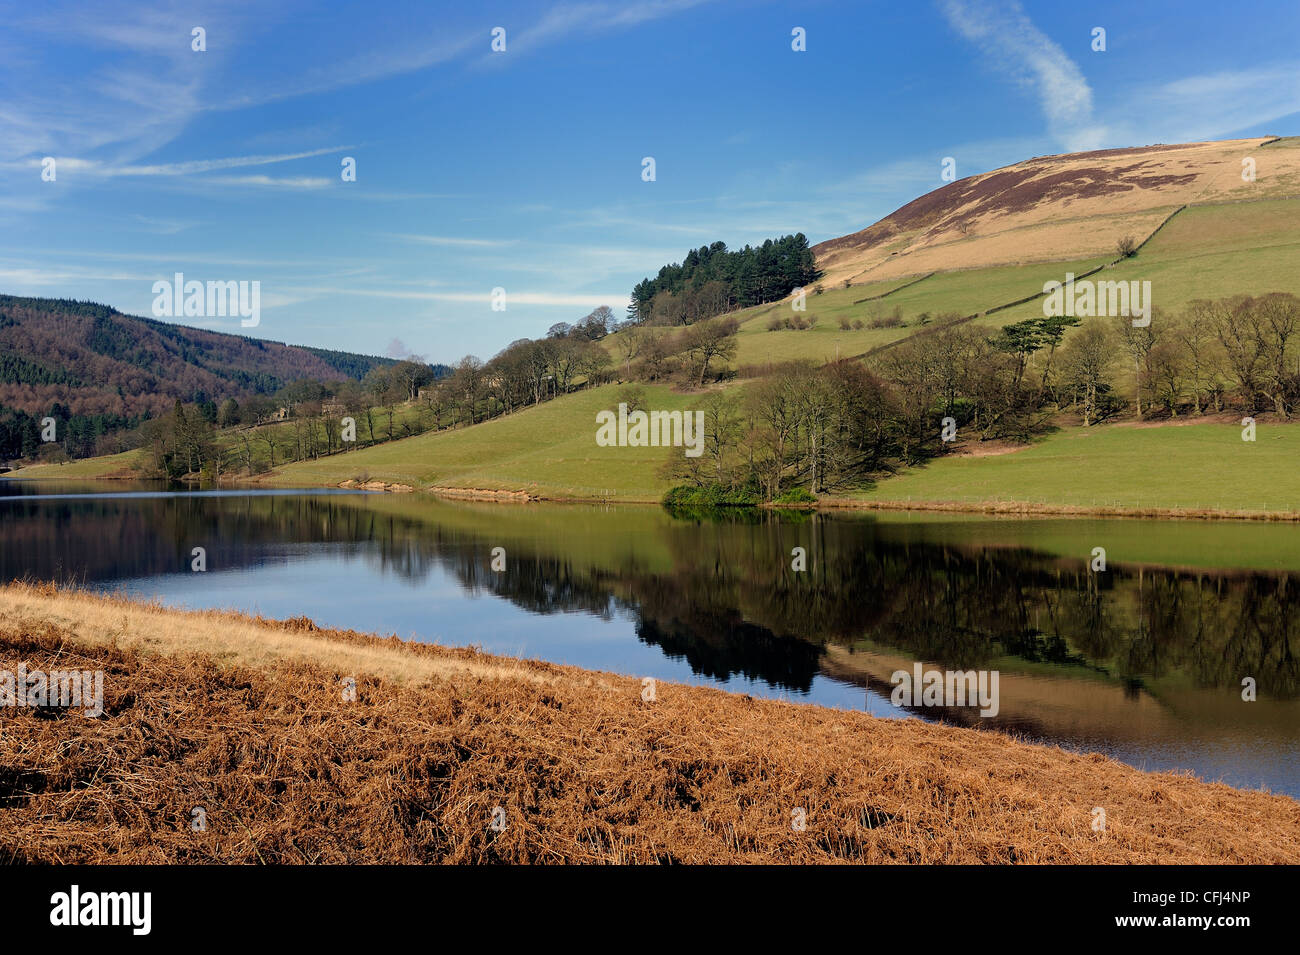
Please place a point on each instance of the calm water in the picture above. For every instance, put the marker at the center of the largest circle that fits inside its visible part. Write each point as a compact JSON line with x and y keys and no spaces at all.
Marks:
{"x":1143,"y":662}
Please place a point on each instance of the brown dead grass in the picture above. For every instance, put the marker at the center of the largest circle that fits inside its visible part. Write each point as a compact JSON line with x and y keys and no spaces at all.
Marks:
{"x":586,"y":772}
{"x":1055,"y":208}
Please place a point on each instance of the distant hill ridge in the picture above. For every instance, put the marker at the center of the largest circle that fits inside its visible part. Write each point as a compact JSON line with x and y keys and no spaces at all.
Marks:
{"x":95,"y":360}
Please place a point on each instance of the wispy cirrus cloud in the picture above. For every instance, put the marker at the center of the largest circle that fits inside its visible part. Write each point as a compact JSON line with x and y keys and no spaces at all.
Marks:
{"x":451,"y":241}
{"x":99,"y":167}
{"x":1205,"y":106}
{"x":564,"y":20}
{"x":527,"y":297}
{"x":1212,"y":105}
{"x":277,"y":182}
{"x":1013,"y":45}
{"x":199,"y":166}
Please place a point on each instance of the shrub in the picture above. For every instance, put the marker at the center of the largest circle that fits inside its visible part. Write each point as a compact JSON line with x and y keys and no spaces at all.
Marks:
{"x":845,"y":324}
{"x":774,"y":325}
{"x":709,"y":495}
{"x":795,"y":495}
{"x":859,"y":325}
{"x":1126,"y":247}
{"x":633,"y":396}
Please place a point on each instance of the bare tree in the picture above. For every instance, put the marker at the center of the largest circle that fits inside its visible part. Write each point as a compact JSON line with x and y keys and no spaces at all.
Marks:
{"x":1086,"y":360}
{"x":706,"y":342}
{"x":630,"y":341}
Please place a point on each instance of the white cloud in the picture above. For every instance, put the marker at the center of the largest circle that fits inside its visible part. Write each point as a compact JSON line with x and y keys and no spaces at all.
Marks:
{"x":192,"y":167}
{"x":163,"y":226}
{"x":583,"y":300}
{"x":1014,"y":45}
{"x":565,"y":19}
{"x":451,"y":241}
{"x":209,"y":165}
{"x":1211,"y":106}
{"x":287,"y":182}
{"x":53,"y":278}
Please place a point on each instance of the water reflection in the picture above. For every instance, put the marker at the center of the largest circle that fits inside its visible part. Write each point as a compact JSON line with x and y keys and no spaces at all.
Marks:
{"x":1144,"y":661}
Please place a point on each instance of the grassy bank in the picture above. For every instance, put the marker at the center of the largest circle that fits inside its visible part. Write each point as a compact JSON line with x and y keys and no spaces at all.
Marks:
{"x":1194,"y":469}
{"x":106,"y":467}
{"x":245,"y":719}
{"x":1171,"y":469}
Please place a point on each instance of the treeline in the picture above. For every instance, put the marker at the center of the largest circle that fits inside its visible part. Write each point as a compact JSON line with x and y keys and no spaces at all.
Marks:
{"x":76,"y":435}
{"x":831,"y":427}
{"x":572,"y":356}
{"x":691,"y":357}
{"x":306,"y":419}
{"x":712,"y":280}
{"x":1239,"y":353}
{"x":104,"y":366}
{"x":302,"y":420}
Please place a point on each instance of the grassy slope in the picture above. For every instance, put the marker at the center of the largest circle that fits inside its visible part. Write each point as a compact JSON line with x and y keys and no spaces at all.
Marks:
{"x":1210,"y":252}
{"x":1248,"y":247}
{"x":549,"y":451}
{"x":1190,"y":466}
{"x":108,"y":465}
{"x":1204,"y":252}
{"x":962,"y":292}
{"x":124,"y":465}
{"x":411,"y":770}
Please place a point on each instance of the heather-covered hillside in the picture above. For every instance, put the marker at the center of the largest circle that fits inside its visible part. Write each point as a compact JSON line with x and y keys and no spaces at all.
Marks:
{"x":93,"y":360}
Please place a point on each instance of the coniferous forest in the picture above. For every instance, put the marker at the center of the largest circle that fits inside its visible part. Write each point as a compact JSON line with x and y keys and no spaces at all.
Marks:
{"x":712,"y":280}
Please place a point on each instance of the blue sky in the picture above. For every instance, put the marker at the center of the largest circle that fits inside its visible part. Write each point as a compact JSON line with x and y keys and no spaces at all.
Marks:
{"x":522,"y":169}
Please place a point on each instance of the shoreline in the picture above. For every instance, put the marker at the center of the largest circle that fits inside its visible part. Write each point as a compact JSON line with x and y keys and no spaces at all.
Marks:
{"x":244,"y":717}
{"x":521,"y":496}
{"x":1036,"y":503}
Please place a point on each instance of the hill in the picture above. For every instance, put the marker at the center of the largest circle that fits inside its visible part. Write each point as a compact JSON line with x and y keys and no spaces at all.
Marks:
{"x":1208,"y":236}
{"x":1053,"y":208}
{"x":94,"y":360}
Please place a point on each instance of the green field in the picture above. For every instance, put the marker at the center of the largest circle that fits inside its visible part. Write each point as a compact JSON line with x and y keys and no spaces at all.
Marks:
{"x":108,"y":464}
{"x":963,"y":292}
{"x":1193,"y":467}
{"x":548,"y":450}
{"x":127,"y":463}
{"x":1203,"y":252}
{"x":1209,"y":252}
